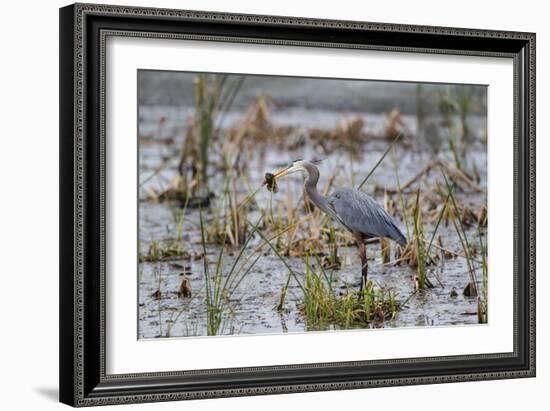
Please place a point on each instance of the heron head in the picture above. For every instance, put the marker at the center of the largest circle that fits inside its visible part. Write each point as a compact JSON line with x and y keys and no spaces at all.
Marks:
{"x":295,"y":166}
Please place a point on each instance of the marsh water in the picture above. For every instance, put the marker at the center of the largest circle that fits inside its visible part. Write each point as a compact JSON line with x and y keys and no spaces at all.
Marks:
{"x":163,"y":313}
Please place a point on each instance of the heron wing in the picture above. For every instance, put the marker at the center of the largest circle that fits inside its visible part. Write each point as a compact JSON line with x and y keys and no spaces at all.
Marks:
{"x":359,"y":212}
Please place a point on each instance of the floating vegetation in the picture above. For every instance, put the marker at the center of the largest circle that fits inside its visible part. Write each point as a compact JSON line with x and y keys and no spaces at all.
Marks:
{"x":166,"y":251}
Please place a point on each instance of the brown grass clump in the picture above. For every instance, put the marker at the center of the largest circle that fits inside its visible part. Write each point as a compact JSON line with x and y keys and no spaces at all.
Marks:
{"x":348,"y":132}
{"x":459,"y":177}
{"x":468,"y":217}
{"x":385,"y":250}
{"x":349,"y":128}
{"x":255,"y":124}
{"x":231,"y":228}
{"x":190,"y":167}
{"x":175,"y":190}
{"x":446,"y":254}
{"x":185,"y":287}
{"x":306,"y":239}
{"x":409,"y":254}
{"x":482,"y":216}
{"x":256,"y":130}
{"x":302,"y":247}
{"x":167,"y":251}
{"x":470,"y":290}
{"x":389,"y":207}
{"x":394,"y":124}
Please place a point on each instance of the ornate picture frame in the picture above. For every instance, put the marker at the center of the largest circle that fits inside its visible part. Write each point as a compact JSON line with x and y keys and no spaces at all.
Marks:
{"x":84,"y":29}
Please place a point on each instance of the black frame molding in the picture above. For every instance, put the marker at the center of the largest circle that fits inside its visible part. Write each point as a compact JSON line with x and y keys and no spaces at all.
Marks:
{"x":83,"y":31}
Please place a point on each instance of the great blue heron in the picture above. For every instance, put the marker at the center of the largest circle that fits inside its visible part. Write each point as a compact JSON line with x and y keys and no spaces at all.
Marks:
{"x":356,"y":211}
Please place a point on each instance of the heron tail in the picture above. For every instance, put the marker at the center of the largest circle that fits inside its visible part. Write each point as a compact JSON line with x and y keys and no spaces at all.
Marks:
{"x":400,"y":239}
{"x":398,"y":236}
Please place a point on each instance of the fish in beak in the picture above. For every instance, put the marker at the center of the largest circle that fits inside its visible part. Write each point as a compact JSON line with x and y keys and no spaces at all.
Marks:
{"x":271,"y":179}
{"x":271,"y":182}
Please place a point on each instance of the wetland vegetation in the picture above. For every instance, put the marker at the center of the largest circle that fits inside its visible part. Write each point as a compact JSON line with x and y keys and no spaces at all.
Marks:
{"x":220,"y":254}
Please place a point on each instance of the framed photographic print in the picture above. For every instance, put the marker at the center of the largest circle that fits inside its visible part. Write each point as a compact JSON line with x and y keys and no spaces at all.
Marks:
{"x":262,"y":204}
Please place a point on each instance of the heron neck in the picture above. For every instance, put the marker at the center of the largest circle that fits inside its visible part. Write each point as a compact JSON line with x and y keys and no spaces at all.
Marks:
{"x":311,"y":189}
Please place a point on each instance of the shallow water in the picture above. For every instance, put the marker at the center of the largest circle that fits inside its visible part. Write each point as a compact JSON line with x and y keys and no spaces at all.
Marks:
{"x":253,"y":305}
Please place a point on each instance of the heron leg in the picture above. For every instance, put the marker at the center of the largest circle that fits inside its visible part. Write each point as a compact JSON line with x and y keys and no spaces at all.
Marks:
{"x":364,"y":262}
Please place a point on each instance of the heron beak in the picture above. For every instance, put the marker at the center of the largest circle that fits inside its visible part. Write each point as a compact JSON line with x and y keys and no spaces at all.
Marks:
{"x":286,"y":171}
{"x":281,"y":173}
{"x":271,"y":179}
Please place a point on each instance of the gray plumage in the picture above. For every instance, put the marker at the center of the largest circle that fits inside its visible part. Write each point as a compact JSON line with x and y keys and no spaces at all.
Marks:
{"x":354,"y":209}
{"x":360,"y":212}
